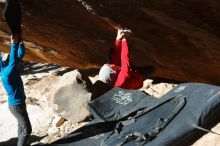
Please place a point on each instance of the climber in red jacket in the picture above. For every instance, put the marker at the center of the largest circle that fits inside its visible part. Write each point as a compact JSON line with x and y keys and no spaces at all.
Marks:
{"x":119,"y":72}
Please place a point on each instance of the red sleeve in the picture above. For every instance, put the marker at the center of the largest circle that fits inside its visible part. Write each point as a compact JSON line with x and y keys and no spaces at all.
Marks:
{"x":125,"y":65}
{"x":127,"y":78}
{"x":125,"y":60}
{"x":116,"y":56}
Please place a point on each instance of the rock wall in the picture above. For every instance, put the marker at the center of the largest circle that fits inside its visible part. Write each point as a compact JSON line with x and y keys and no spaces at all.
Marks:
{"x":180,"y":38}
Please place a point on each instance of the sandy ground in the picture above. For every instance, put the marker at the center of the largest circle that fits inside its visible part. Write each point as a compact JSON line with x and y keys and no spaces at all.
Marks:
{"x":38,"y":81}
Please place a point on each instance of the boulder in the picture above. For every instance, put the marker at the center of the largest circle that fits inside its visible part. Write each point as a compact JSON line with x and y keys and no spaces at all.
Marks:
{"x":71,"y":96}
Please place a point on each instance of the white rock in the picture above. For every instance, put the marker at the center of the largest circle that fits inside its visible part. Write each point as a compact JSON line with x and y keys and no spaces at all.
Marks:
{"x":71,"y":97}
{"x":52,"y":130}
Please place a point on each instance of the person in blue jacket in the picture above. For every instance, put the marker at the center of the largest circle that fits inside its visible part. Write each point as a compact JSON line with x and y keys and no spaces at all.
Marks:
{"x":13,"y":85}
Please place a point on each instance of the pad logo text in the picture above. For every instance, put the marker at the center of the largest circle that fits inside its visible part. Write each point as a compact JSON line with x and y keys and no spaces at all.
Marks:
{"x":122,"y":97}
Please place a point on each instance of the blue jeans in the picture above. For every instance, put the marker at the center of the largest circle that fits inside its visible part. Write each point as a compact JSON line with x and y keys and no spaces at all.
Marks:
{"x":24,"y":125}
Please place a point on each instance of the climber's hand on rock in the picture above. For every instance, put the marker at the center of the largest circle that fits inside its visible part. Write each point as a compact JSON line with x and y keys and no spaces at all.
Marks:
{"x":16,"y":39}
{"x":120,"y":34}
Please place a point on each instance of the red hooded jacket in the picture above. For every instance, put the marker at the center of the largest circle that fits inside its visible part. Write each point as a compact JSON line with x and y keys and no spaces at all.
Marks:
{"x":128,"y":78}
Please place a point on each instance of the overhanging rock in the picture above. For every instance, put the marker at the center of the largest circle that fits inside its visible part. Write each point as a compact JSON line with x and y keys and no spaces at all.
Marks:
{"x":180,"y":38}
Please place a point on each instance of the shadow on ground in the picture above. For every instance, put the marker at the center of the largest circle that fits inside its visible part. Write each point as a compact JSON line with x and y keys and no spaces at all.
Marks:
{"x":13,"y":141}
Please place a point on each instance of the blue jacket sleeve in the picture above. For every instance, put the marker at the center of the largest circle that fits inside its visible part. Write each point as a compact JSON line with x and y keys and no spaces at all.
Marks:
{"x":21,"y":51}
{"x":13,"y":60}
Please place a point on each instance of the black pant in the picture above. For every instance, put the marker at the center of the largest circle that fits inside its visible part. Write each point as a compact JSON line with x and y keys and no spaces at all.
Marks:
{"x":12,"y":15}
{"x":24,"y":125}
